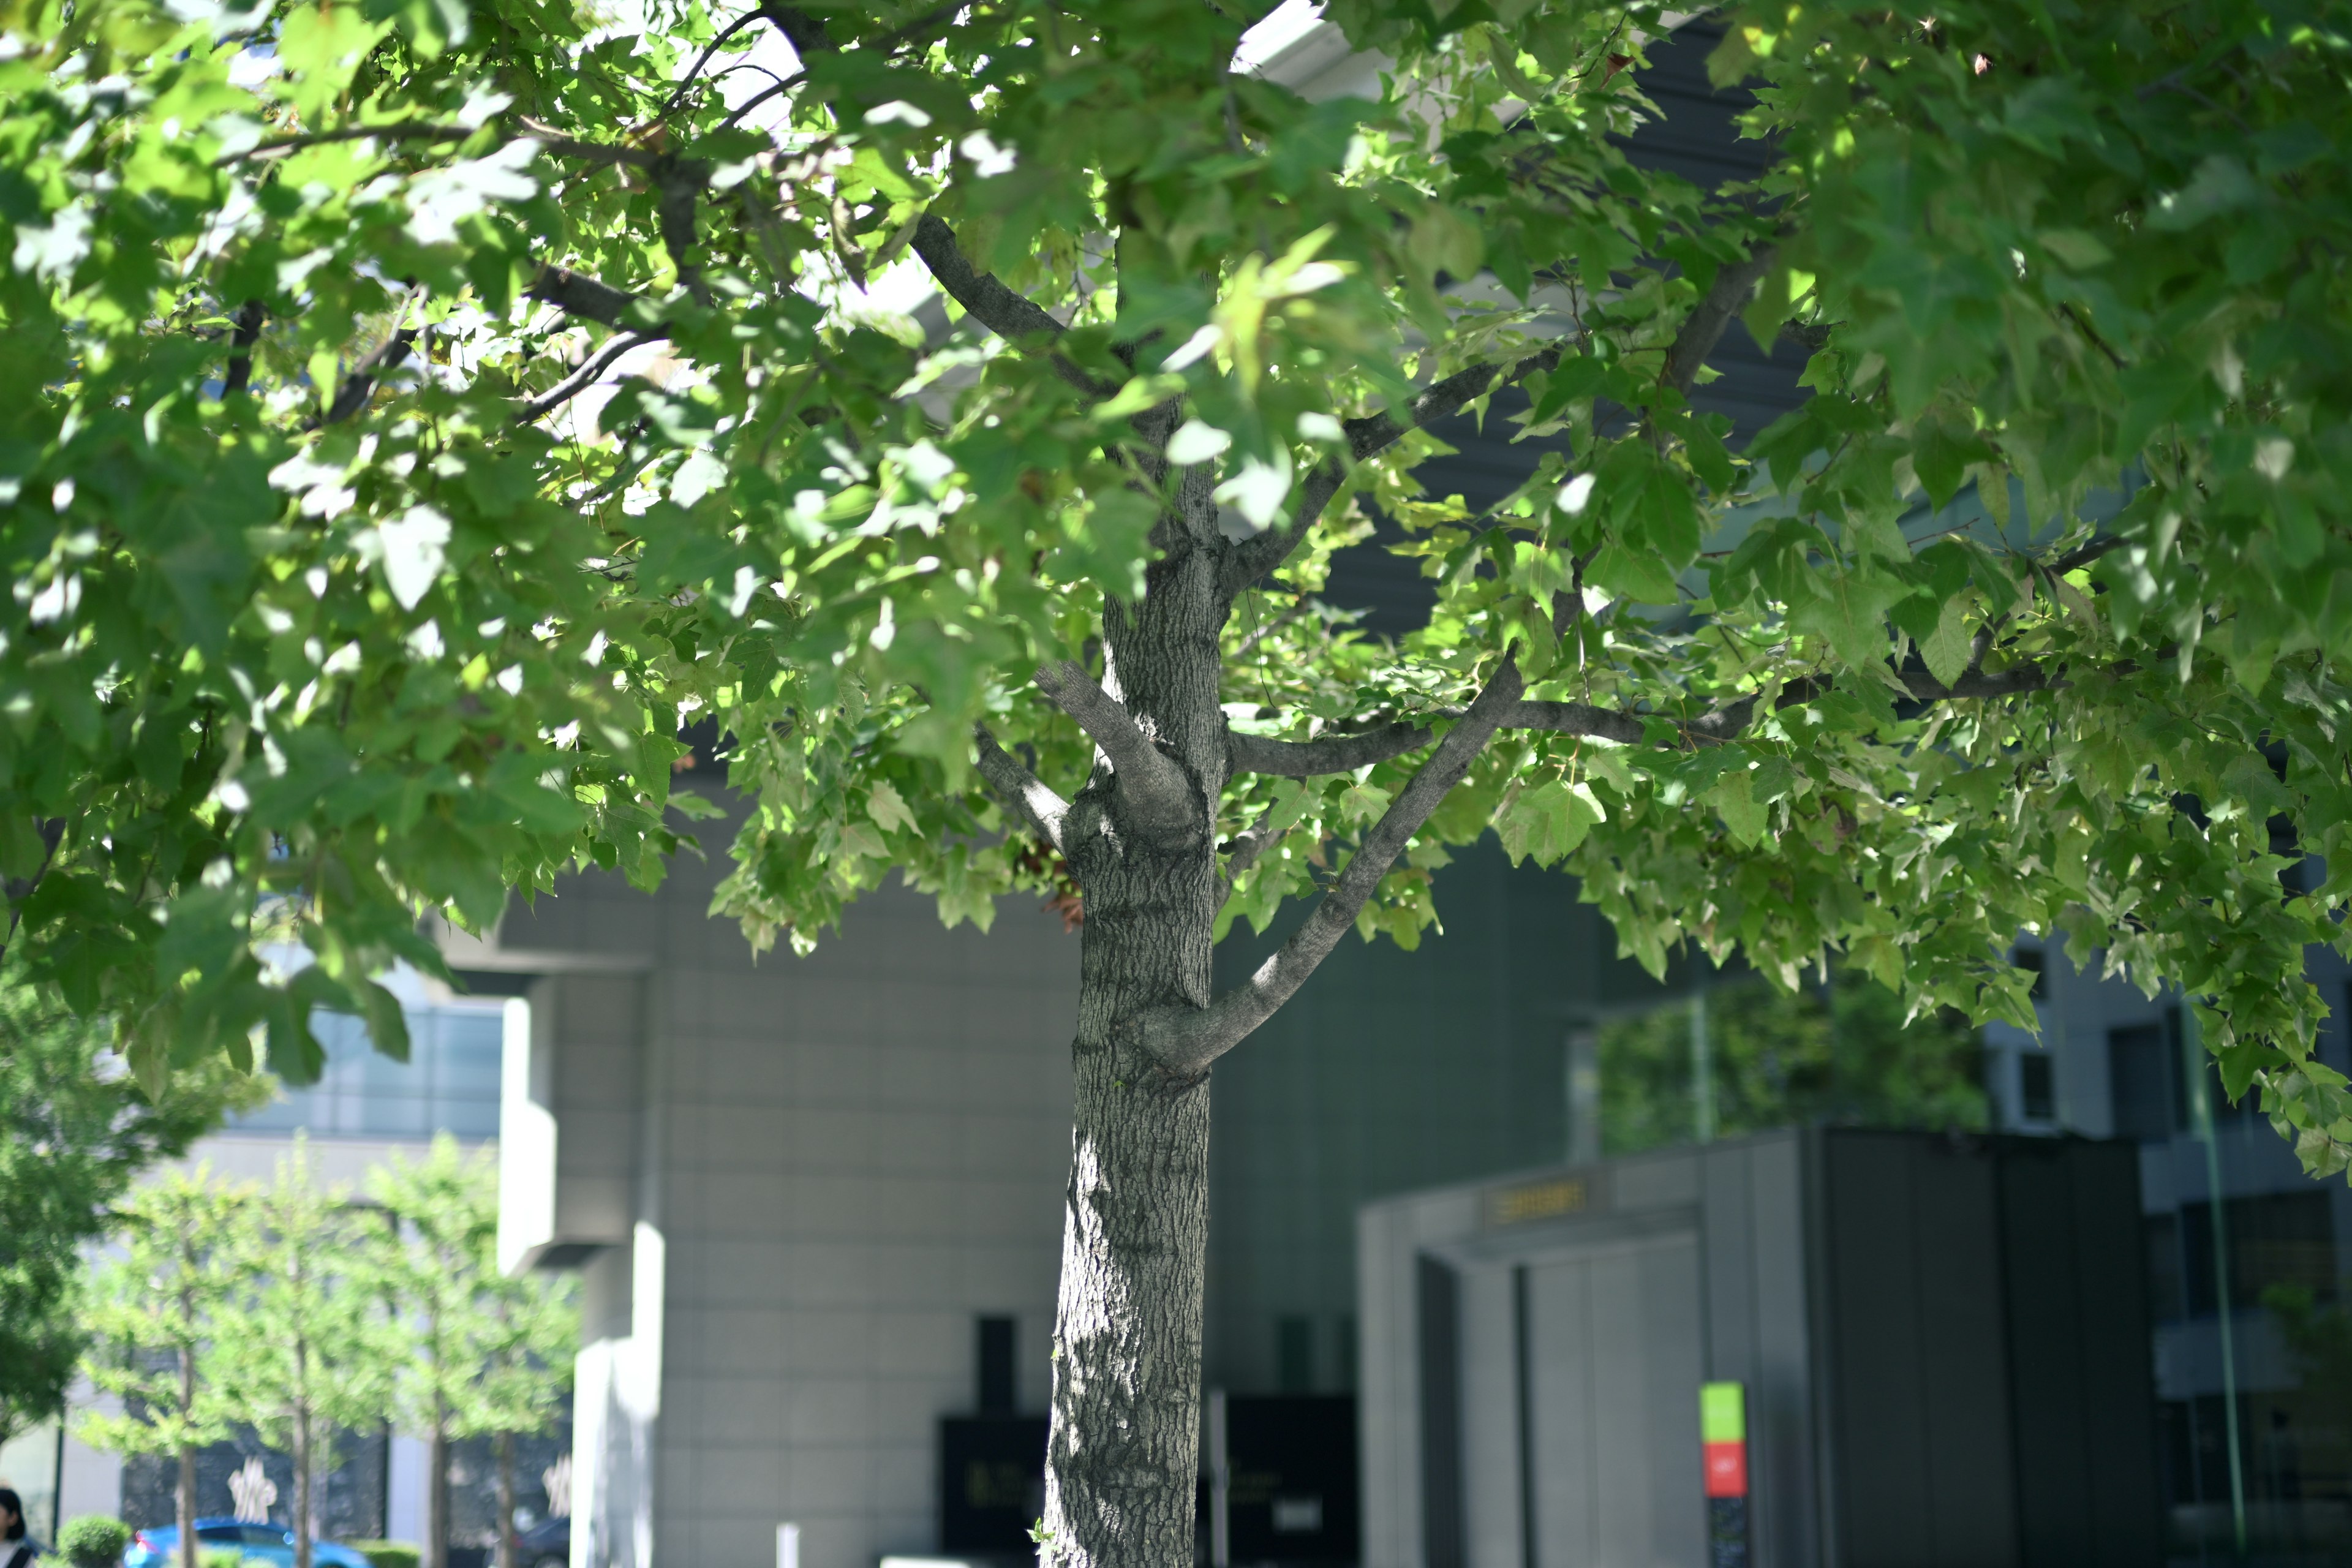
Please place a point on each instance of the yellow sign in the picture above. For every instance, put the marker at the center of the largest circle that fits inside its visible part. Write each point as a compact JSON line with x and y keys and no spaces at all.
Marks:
{"x":1541,"y":1200}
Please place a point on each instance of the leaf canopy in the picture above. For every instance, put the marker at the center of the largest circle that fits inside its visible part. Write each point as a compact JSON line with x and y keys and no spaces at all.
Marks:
{"x":429,"y":411}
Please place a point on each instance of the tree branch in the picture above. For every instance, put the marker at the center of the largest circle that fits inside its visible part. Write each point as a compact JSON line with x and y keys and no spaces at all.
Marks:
{"x":1242,"y":853}
{"x":1734,"y":282}
{"x":578,"y":295}
{"x":1330,"y":754}
{"x":807,"y":37}
{"x":1155,"y":789}
{"x":398,"y":130}
{"x":248,"y":318}
{"x":51,"y":831}
{"x":579,"y":380}
{"x":680,"y":182}
{"x":1018,"y":788}
{"x":686,"y":82}
{"x":2084,"y":554}
{"x":1184,"y":1041}
{"x":1013,"y":316}
{"x":548,"y":140}
{"x":359,"y":386}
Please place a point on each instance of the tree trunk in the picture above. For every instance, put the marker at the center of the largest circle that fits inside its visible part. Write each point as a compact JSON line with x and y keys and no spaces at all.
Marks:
{"x":184,"y":1495}
{"x":506,"y":1501}
{"x":437,"y":1490}
{"x":303,"y":1525}
{"x":1124,"y":1459}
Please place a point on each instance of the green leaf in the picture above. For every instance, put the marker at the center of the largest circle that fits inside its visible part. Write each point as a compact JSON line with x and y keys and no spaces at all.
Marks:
{"x":1733,"y":802}
{"x":1947,"y":651}
{"x":1548,"y":821}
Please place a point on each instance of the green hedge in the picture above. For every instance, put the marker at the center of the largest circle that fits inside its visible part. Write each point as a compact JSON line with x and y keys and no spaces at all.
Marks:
{"x":217,"y":1557}
{"x":389,"y":1553}
{"x":93,"y":1541}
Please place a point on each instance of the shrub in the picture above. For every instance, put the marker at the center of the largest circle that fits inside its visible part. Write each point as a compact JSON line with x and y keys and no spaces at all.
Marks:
{"x":218,"y":1557}
{"x":93,"y":1541}
{"x":389,"y":1553}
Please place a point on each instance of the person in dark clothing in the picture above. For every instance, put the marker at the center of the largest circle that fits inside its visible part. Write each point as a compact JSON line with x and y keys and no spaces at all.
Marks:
{"x":20,"y":1551}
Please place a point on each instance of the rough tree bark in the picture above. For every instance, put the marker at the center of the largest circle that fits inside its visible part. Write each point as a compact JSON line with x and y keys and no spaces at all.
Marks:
{"x":1141,"y":839}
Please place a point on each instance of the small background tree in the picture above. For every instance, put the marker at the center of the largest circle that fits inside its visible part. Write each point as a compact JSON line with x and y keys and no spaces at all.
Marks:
{"x":483,"y":1355}
{"x":72,"y":1141}
{"x":303,"y":1349}
{"x":525,"y":1376}
{"x":156,"y":1317}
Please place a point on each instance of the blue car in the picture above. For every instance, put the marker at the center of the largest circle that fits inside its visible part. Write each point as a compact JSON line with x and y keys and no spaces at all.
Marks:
{"x":160,"y":1547}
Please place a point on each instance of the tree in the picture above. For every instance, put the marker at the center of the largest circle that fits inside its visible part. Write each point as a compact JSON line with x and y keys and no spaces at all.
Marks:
{"x":302,"y":1348}
{"x":158,"y":1313}
{"x":334,"y":603}
{"x":441,"y":1231}
{"x":529,"y":1369}
{"x":72,"y":1141}
{"x":485,"y":1355}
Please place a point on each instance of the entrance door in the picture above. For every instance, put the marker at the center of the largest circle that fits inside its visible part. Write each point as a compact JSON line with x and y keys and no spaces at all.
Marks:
{"x":1613,"y":1360}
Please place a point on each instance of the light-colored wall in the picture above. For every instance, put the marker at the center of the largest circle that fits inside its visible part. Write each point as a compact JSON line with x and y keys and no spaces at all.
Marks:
{"x":829,"y":1167}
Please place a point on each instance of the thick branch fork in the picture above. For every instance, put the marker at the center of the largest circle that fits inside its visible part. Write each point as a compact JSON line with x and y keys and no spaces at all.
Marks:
{"x":1038,"y":804}
{"x":1185,"y":1041}
{"x":1158,"y":794}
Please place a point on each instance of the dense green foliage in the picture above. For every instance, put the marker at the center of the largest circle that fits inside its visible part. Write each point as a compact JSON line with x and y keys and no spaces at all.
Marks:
{"x":1842,"y":1053}
{"x":72,"y":1141}
{"x":329,"y":606}
{"x":93,"y":1540}
{"x":153,"y":1317}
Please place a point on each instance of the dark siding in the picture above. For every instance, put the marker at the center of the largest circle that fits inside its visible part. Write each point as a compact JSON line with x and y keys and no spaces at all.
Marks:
{"x":1917,"y":1398}
{"x":1442,"y":1536}
{"x":2080,"y":1377}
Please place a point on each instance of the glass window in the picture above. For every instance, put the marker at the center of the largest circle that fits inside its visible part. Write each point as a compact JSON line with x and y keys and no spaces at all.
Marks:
{"x":2144,"y":1073}
{"x":448,"y":1084}
{"x":2037,"y":1087}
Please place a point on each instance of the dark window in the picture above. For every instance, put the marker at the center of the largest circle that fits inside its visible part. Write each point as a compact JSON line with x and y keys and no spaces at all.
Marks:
{"x":2143,"y":1073}
{"x":1293,"y":1355}
{"x":996,"y":1384}
{"x":2276,"y":1238}
{"x":2167,"y":1301}
{"x":1344,"y":1350}
{"x":2037,"y":1093}
{"x":2030,"y":960}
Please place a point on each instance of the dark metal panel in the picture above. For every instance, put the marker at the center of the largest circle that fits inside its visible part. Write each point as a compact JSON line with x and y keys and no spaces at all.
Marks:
{"x":2081,"y":1382}
{"x":1964,"y":1411}
{"x":1877,"y":1398}
{"x":1922,"y":1441}
{"x":1439,"y":1294}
